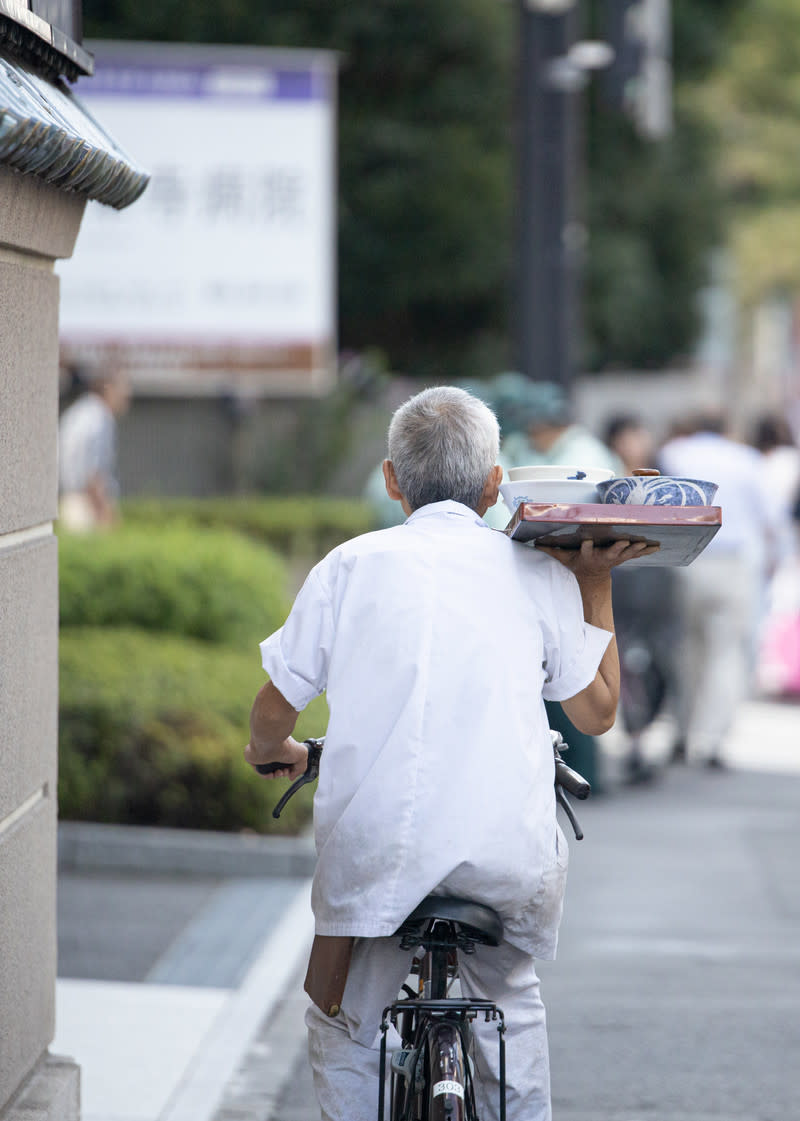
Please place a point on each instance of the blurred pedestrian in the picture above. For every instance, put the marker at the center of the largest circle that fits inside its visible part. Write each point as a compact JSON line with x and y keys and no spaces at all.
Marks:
{"x":628,"y":437}
{"x":87,"y":435}
{"x":780,"y":464}
{"x":544,"y":431}
{"x":720,"y":591}
{"x":779,"y":641}
{"x":548,"y":433}
{"x":73,"y":383}
{"x":645,"y":610}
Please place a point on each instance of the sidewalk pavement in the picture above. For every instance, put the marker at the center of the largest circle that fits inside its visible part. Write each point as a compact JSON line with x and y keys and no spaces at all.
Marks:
{"x":181,"y":954}
{"x":173,"y":948}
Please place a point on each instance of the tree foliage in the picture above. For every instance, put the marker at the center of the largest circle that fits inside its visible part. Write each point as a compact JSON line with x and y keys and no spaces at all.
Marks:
{"x":754,"y":101}
{"x":653,"y":209}
{"x":427,"y":171}
{"x":653,"y":220}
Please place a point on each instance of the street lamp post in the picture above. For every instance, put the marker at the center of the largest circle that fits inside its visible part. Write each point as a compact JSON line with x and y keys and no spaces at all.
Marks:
{"x":546,"y":304}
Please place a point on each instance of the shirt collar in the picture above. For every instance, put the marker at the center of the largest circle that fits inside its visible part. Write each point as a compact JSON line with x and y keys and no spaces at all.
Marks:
{"x":448,"y":507}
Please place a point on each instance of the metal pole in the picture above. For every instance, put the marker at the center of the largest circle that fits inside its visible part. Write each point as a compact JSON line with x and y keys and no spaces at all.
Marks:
{"x":546,"y":311}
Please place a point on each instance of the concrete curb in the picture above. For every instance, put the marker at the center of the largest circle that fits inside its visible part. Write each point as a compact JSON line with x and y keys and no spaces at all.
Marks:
{"x":86,"y":846}
{"x":202,"y":1090}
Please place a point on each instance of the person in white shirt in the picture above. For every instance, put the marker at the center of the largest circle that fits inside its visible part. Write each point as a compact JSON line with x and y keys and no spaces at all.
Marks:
{"x":437,"y":641}
{"x":720,"y":594}
{"x":87,"y":432}
{"x":546,"y":432}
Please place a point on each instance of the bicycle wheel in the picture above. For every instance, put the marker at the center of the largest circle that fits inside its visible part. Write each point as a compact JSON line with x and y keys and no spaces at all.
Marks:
{"x":447,"y":1090}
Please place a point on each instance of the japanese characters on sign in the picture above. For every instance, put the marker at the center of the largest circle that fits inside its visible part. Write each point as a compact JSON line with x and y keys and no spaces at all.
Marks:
{"x":224,"y":269}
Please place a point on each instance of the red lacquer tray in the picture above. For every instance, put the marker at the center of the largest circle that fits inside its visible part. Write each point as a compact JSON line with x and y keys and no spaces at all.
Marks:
{"x":682,"y":532}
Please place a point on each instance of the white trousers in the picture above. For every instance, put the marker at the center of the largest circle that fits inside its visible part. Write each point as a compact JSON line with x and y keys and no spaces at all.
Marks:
{"x":718,"y":597}
{"x":344,"y":1051}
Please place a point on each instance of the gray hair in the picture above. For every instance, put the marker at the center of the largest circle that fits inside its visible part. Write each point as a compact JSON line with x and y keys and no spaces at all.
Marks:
{"x":443,"y":443}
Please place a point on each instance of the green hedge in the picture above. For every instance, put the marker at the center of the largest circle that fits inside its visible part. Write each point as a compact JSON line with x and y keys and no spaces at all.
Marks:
{"x":305,"y":524}
{"x":212,"y":584}
{"x":160,"y":625}
{"x":152,"y":729}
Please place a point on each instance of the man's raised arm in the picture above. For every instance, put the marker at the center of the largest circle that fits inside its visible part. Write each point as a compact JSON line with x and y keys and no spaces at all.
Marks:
{"x":593,"y":710}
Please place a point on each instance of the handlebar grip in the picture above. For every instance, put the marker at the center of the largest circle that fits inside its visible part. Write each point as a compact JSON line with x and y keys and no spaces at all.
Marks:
{"x":269,"y":768}
{"x":572,"y":782}
{"x":312,"y":766}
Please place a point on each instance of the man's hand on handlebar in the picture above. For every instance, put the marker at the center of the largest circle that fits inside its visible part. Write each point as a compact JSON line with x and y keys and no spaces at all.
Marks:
{"x":288,"y":761}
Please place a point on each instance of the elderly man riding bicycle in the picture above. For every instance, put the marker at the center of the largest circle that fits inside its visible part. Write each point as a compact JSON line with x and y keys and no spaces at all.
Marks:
{"x":437,"y":642}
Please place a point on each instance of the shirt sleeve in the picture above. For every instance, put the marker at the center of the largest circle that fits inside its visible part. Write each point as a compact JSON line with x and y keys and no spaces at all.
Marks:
{"x":296,"y":657}
{"x":573,"y":648}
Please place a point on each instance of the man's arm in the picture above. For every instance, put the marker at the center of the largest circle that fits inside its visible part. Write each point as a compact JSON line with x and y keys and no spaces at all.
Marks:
{"x":272,"y":721}
{"x":104,"y":508}
{"x":593,"y":710}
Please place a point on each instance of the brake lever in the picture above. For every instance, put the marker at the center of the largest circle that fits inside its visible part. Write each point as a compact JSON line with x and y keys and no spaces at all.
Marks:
{"x":561,"y":798}
{"x":574,"y":783}
{"x":309,"y":774}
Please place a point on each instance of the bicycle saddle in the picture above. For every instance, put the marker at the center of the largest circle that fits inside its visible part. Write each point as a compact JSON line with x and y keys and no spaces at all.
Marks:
{"x":478,"y":922}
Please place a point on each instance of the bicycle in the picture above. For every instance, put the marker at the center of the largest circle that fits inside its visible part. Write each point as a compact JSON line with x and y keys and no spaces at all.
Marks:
{"x":431,"y":1075}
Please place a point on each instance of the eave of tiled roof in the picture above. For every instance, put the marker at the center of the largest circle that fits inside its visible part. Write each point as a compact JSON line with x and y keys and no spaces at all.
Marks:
{"x":46,"y":131}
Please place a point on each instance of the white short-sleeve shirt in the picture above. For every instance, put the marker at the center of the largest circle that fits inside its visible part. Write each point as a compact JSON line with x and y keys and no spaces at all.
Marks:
{"x":86,"y":445}
{"x":436,"y":641}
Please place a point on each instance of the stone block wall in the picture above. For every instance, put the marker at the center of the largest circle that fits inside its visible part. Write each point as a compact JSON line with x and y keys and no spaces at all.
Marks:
{"x":38,"y":223}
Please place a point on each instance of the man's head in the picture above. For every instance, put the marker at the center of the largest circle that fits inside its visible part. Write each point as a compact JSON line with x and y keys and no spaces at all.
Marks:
{"x":712,"y":418}
{"x":548,"y":412}
{"x":443,"y":444}
{"x":630,"y":439}
{"x":114,"y":387}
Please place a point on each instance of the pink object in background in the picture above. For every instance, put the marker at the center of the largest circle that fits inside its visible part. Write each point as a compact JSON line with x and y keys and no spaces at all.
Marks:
{"x":779,"y":668}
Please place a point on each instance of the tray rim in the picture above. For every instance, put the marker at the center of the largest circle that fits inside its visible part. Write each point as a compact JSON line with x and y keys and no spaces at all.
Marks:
{"x":606,"y":513}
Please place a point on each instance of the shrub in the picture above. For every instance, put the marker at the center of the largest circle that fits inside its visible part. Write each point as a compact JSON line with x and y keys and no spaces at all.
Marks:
{"x":211,"y":584}
{"x":305,"y":524}
{"x":152,"y":730}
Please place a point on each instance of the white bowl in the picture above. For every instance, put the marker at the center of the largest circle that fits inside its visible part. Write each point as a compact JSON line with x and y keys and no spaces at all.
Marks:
{"x":548,"y":490}
{"x":557,"y":471}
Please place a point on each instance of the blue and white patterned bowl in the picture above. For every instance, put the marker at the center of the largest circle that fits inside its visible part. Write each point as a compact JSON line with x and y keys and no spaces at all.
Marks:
{"x":657,"y":490}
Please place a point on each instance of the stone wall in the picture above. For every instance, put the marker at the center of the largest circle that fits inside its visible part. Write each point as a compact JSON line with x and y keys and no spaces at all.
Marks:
{"x":38,"y":223}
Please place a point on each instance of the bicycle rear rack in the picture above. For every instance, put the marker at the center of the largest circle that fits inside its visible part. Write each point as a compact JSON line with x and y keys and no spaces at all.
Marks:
{"x":463,"y":1011}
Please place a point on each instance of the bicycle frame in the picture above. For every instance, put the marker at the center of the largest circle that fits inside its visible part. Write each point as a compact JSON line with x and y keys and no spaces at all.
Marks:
{"x":435,"y":1032}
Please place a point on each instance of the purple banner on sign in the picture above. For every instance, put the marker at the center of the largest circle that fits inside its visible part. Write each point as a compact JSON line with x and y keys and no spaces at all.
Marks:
{"x":242,"y":82}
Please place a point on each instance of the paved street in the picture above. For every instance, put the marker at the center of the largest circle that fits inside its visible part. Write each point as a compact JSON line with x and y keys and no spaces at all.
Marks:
{"x":676,"y":989}
{"x":675,"y":993}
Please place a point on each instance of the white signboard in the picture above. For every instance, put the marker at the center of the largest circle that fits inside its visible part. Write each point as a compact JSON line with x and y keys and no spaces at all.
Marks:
{"x":223,"y":271}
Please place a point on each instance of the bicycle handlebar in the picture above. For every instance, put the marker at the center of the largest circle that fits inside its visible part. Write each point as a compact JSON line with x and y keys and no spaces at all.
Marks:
{"x":309,"y":774}
{"x":569,"y":780}
{"x":565,"y":778}
{"x":573,"y":783}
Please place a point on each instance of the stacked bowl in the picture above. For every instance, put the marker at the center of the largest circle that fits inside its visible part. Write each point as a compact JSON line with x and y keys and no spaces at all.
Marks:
{"x":553,"y":483}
